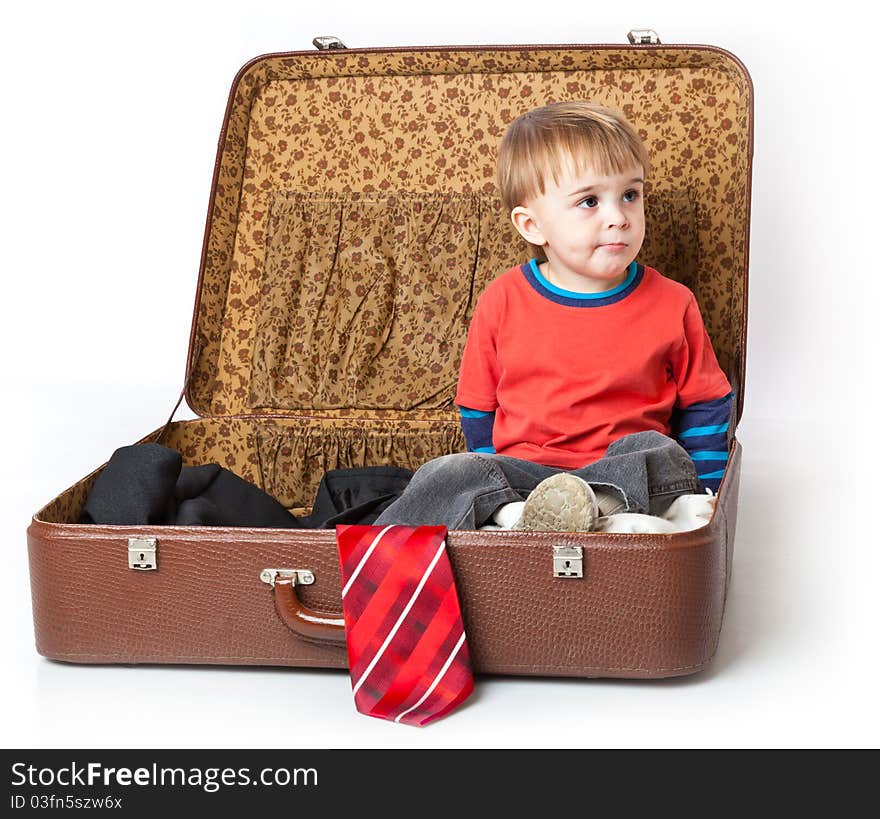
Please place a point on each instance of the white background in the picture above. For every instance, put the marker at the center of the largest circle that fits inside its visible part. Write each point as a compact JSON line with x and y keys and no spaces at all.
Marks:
{"x":110,"y":119}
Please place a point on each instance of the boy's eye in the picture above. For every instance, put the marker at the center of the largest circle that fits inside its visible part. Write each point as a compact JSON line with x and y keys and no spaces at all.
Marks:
{"x":591,"y":201}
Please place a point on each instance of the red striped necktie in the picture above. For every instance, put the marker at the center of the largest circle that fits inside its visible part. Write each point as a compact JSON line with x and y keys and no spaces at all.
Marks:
{"x":407,"y":652}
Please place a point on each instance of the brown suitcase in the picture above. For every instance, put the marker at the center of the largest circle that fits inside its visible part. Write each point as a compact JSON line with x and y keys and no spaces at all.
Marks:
{"x":352,"y":222}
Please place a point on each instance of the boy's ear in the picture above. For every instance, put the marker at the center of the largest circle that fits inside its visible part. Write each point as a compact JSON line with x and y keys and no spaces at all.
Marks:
{"x":525,"y":224}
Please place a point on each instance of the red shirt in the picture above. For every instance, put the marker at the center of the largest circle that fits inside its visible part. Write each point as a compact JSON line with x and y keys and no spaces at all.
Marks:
{"x":566,"y":377}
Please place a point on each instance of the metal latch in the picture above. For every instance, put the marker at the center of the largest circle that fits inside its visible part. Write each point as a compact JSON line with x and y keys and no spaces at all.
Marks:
{"x":568,"y":561}
{"x":142,"y":553}
{"x":326,"y":43}
{"x":301,"y":577}
{"x":644,"y":36}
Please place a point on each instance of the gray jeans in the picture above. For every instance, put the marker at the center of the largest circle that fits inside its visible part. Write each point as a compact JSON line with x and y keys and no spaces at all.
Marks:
{"x":645,"y":472}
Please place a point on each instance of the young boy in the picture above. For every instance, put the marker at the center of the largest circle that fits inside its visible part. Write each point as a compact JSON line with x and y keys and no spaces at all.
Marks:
{"x":580,"y":364}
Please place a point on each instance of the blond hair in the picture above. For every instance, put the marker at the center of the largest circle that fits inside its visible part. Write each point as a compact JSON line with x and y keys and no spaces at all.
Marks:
{"x":543,"y":140}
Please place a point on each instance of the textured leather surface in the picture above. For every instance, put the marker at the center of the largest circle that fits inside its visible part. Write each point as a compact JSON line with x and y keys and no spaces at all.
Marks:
{"x":647,"y":606}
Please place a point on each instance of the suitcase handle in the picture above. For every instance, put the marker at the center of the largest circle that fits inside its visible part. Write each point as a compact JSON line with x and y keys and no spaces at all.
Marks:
{"x":306,"y":623}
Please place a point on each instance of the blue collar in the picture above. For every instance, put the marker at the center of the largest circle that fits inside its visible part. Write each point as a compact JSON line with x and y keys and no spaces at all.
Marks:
{"x":571,"y":298}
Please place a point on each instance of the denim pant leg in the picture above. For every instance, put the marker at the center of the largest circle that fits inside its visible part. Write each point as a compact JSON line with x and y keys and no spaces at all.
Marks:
{"x":463,"y":490}
{"x":648,"y":469}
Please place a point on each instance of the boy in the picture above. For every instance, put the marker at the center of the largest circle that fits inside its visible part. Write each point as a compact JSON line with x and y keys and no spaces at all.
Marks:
{"x":580,"y":364}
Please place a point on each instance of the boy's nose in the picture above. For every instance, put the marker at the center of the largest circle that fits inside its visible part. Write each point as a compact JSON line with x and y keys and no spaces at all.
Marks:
{"x":616,"y":217}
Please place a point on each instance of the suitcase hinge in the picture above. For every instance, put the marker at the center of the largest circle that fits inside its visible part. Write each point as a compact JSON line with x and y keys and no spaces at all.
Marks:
{"x":568,"y":561}
{"x":327,"y":43}
{"x":644,"y":36}
{"x":142,"y":553}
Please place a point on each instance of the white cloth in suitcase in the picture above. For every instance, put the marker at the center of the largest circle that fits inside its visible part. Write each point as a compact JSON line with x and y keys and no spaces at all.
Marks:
{"x":685,"y":513}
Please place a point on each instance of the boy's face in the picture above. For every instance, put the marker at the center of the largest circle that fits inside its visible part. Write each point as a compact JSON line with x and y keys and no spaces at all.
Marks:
{"x":590,"y":225}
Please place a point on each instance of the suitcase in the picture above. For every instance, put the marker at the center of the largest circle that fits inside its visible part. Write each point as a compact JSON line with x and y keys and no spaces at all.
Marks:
{"x":353,"y":220}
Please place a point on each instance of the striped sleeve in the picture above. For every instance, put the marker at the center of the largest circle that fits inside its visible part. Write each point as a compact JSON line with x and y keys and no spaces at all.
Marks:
{"x":477,"y":428}
{"x":702,"y":429}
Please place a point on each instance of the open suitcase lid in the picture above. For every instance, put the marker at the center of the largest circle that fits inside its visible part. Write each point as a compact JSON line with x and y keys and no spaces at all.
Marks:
{"x":354,"y":217}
